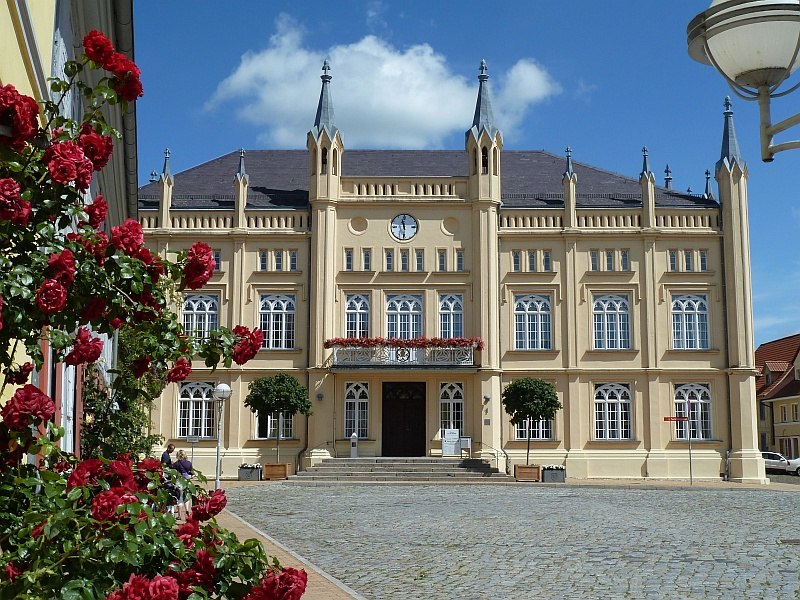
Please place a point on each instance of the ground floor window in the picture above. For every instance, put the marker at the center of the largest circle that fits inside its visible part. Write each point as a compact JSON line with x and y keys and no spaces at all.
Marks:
{"x":790,"y":446}
{"x":539,"y":429}
{"x":356,"y":410}
{"x":196,"y":410}
{"x":693,"y":400}
{"x":612,"y":411}
{"x":451,"y":407}
{"x":268,"y":427}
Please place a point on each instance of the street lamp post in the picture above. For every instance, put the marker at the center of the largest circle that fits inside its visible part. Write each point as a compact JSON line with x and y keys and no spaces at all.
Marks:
{"x":221,"y":393}
{"x":755,"y":45}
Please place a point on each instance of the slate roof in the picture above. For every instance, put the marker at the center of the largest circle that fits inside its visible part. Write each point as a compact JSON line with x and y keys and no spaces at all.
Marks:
{"x":530,"y":179}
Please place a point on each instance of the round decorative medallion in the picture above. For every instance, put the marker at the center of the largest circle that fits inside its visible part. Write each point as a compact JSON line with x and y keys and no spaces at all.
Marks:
{"x":450,"y":226}
{"x":358,"y":225}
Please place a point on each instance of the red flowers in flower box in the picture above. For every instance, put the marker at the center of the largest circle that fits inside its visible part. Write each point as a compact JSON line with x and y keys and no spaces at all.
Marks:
{"x":421,"y":342}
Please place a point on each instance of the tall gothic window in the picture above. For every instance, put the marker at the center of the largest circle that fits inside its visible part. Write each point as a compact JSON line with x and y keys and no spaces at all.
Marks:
{"x":451,"y":315}
{"x":451,"y":407}
{"x":611,"y":322}
{"x":200,"y":314}
{"x":196,"y":410}
{"x":532,"y":319}
{"x":357,"y":316}
{"x":693,"y":400}
{"x":404,"y":317}
{"x":612,"y":411}
{"x":277,"y":314}
{"x":356,"y":410}
{"x":689,"y":322}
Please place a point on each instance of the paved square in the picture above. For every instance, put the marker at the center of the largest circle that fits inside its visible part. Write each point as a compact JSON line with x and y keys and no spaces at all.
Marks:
{"x":531,"y":541}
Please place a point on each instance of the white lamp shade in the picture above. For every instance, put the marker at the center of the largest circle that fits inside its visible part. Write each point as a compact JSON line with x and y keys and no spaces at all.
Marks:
{"x":222,"y":391}
{"x":753,"y":42}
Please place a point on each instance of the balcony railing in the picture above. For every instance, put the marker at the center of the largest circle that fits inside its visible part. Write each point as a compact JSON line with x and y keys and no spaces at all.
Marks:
{"x":388,"y":356}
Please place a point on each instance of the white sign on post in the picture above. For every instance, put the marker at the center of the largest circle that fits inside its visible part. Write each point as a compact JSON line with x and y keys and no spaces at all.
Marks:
{"x":450,"y":442}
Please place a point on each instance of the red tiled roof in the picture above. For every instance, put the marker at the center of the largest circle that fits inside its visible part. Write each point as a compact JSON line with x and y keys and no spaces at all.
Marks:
{"x":777,"y":353}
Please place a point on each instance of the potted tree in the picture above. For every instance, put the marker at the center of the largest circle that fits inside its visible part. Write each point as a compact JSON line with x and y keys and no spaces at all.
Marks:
{"x":277,"y":395}
{"x":529,"y":399}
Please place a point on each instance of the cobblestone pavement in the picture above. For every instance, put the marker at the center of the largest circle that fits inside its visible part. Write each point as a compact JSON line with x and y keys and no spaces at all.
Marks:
{"x":534,"y":541}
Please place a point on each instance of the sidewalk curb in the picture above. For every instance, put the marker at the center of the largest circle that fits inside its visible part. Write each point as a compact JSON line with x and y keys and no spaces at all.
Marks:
{"x":330,"y":578}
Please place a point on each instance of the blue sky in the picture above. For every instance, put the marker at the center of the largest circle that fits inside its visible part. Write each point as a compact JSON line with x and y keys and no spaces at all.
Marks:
{"x":604,"y":78}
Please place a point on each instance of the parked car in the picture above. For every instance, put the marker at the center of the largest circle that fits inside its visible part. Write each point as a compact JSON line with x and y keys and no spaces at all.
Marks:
{"x":773,"y":461}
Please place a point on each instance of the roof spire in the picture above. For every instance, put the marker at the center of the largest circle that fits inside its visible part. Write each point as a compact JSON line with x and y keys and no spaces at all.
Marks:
{"x":325,"y":118}
{"x":569,"y":170}
{"x":645,"y":163}
{"x":668,"y":177}
{"x":484,"y":117}
{"x":153,"y":176}
{"x":708,"y":193}
{"x":165,"y":172}
{"x":241,"y":172}
{"x":730,"y":145}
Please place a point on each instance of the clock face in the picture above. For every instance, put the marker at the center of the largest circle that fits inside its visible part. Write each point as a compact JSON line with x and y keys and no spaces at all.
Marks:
{"x":404,"y":227}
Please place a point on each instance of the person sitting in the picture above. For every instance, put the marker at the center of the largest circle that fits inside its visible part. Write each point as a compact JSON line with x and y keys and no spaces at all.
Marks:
{"x":183,"y":466}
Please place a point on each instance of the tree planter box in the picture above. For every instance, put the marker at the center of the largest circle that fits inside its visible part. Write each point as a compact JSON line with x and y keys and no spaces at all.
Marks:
{"x":250,"y":474}
{"x":272,"y":472}
{"x":554,"y":475}
{"x":527,"y":472}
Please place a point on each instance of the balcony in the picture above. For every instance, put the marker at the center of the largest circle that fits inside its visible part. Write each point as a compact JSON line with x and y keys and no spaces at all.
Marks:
{"x":419,"y":352}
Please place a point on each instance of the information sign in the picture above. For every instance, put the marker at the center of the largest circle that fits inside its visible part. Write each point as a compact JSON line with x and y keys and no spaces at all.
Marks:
{"x":450,"y":443}
{"x":679,"y":419}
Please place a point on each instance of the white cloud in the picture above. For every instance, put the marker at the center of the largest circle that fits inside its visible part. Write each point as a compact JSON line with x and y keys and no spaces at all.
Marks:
{"x":383,"y":96}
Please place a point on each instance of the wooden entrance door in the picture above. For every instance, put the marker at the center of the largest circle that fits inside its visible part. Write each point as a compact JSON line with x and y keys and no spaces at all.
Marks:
{"x":403,"y":423}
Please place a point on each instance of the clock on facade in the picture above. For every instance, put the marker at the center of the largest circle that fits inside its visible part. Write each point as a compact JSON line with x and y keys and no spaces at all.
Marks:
{"x":404,"y":227}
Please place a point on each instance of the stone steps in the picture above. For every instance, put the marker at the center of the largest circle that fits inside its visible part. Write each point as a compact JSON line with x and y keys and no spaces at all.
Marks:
{"x":412,"y":469}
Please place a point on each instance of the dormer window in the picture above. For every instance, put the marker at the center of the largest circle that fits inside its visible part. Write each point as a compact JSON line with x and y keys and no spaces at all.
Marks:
{"x":324,"y":170}
{"x":484,"y":161}
{"x":768,"y":376}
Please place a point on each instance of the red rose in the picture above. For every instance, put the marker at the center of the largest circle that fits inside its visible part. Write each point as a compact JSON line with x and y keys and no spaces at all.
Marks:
{"x":140,"y":366}
{"x":121,"y":66}
{"x":128,"y":237}
{"x":61,"y":267}
{"x":129,"y":88}
{"x":85,"y":473}
{"x":136,"y":588}
{"x":67,"y":163}
{"x":187,"y":531}
{"x":126,"y":82}
{"x":96,"y":245}
{"x":96,"y":147}
{"x":104,"y":505}
{"x":20,"y":113}
{"x":21,"y":376}
{"x":155,"y":267}
{"x":116,"y":323}
{"x":163,"y":587}
{"x":13,"y":571}
{"x":216,"y":502}
{"x":38,"y":530}
{"x":27,"y":404}
{"x":94,"y":309}
{"x":51,"y":297}
{"x":288,"y":584}
{"x":97,"y":46}
{"x":248,"y":345}
{"x":97,"y":211}
{"x":12,"y":207}
{"x":85,"y":349}
{"x":180,"y":371}
{"x":199,"y":266}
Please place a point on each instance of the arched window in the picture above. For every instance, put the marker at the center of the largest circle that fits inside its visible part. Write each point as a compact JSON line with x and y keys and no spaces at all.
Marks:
{"x":612,"y":411}
{"x":451,"y":407}
{"x":277,"y":320}
{"x":451,"y":315}
{"x":474,"y":161}
{"x":357,"y":316}
{"x":485,"y":160}
{"x":313,"y":161}
{"x":611,"y":322}
{"x":196,"y":414}
{"x":324,"y":169}
{"x":404,"y":317}
{"x":268,"y":426}
{"x":356,"y":410}
{"x":495,"y":161}
{"x":689,"y":322}
{"x":200,"y":315}
{"x":693,"y":400}
{"x":335,"y":161}
{"x":532,"y":317}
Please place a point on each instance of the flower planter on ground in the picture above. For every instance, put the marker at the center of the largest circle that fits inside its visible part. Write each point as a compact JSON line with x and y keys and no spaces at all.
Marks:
{"x":527,"y":472}
{"x":554,"y":475}
{"x":250,"y":473}
{"x":275,"y":471}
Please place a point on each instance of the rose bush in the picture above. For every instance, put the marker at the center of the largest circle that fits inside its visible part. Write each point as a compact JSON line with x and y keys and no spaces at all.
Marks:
{"x":97,"y":528}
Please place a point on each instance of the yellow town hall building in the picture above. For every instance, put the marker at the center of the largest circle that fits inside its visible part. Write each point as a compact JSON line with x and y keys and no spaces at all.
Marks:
{"x":633,"y":299}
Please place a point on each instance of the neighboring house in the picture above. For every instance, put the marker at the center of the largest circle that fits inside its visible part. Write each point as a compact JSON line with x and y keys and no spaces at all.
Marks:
{"x":778,"y":389}
{"x":634,"y":300}
{"x":38,"y":37}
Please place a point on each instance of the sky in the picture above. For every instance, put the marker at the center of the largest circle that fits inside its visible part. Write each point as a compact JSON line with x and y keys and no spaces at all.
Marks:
{"x":604,"y":78}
